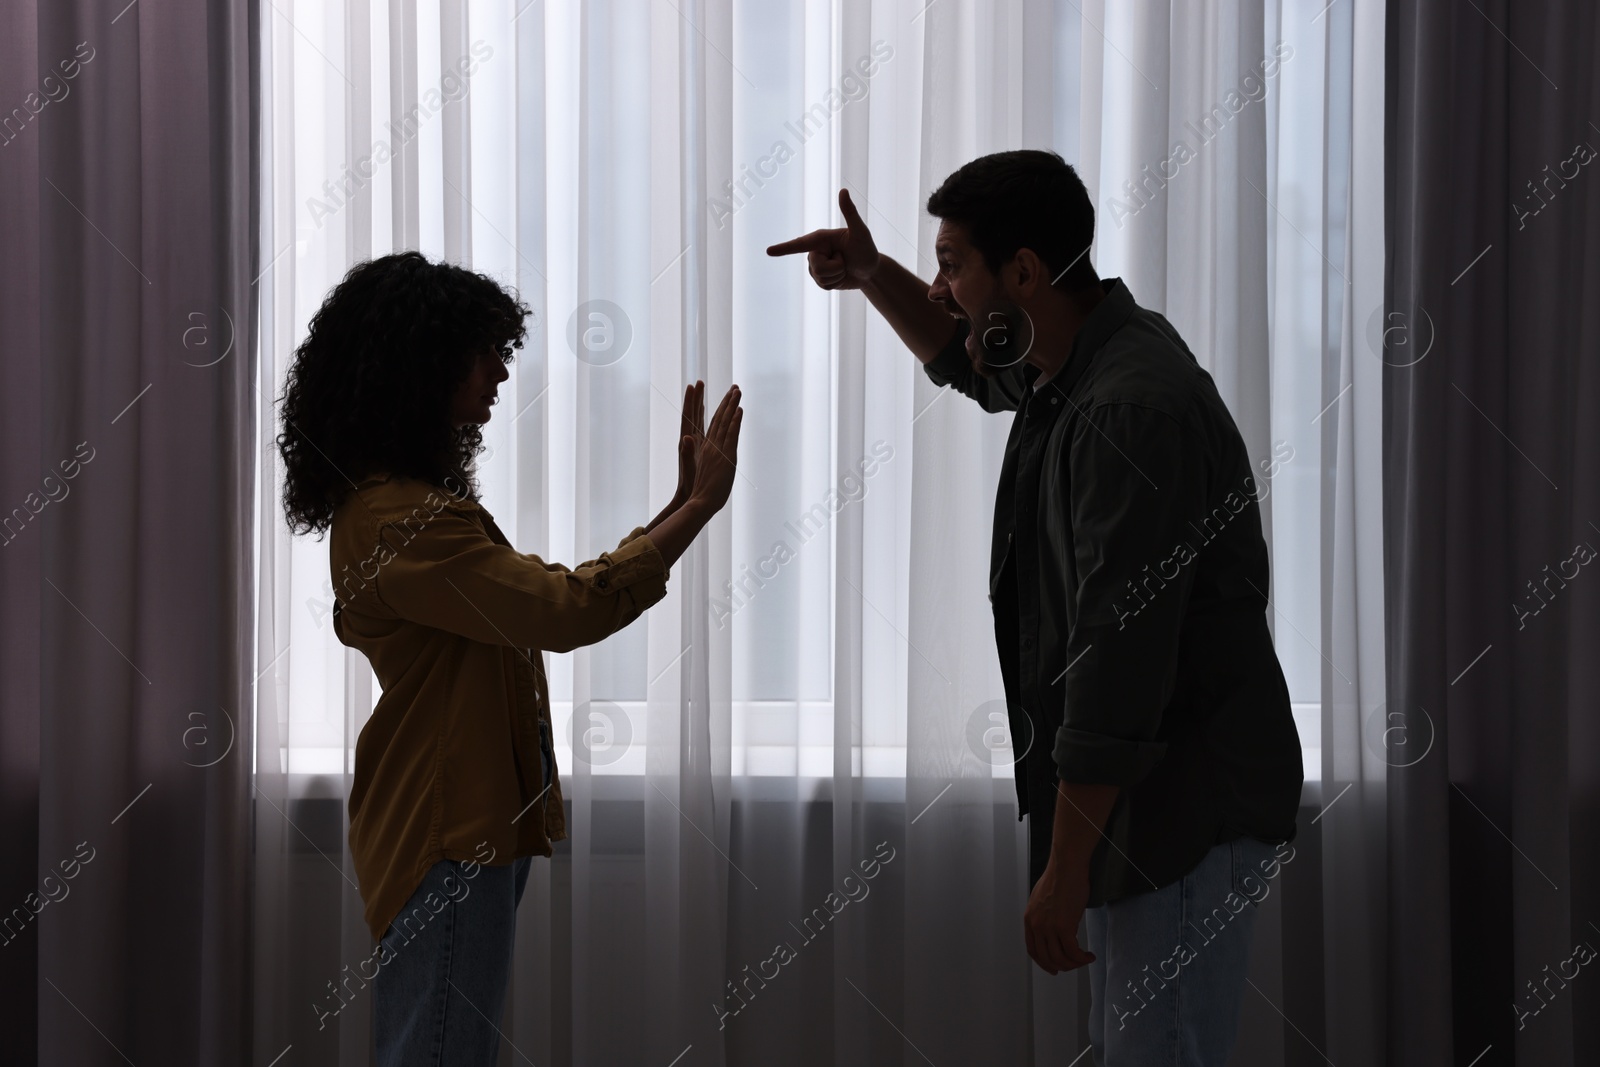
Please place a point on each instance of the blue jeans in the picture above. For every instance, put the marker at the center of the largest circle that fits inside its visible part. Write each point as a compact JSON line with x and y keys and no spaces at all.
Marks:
{"x":446,"y":962}
{"x":1170,"y":965}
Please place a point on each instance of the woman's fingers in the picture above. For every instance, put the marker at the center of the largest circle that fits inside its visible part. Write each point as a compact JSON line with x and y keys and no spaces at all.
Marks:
{"x":727,"y":415}
{"x":694,"y":410}
{"x":714,"y":471}
{"x":730,"y":401}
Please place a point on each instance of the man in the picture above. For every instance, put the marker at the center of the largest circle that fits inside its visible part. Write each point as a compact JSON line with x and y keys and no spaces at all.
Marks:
{"x":1129,"y":581}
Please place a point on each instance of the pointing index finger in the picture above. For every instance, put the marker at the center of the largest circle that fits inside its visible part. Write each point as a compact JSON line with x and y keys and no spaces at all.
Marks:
{"x":813,"y":240}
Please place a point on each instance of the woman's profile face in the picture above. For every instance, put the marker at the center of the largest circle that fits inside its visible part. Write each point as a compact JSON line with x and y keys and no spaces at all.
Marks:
{"x":479,"y":392}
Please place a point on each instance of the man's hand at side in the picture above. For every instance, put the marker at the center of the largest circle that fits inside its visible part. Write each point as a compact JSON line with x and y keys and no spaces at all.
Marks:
{"x":1056,"y":906}
{"x":1050,"y":924}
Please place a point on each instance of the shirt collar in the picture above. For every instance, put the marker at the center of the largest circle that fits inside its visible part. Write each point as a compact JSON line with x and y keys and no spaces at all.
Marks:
{"x":1105,"y":320}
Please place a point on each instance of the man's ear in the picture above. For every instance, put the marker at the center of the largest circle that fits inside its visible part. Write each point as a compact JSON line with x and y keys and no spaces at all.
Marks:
{"x":1026,"y":273}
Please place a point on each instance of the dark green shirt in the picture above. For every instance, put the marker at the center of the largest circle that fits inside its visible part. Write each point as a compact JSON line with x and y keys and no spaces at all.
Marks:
{"x":1129,"y":581}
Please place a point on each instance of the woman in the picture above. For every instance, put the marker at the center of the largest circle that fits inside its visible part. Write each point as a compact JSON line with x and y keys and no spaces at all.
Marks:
{"x":455,"y":786}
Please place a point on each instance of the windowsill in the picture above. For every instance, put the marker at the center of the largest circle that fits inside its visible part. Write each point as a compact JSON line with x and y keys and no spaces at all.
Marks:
{"x":780,"y":740}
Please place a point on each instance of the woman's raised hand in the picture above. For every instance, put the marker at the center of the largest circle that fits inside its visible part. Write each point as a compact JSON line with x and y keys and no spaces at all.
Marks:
{"x":716,"y":459}
{"x":707,"y":461}
{"x":691,"y":432}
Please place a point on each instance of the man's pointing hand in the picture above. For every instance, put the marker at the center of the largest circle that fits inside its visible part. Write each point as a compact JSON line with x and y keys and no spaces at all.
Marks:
{"x":837,"y":259}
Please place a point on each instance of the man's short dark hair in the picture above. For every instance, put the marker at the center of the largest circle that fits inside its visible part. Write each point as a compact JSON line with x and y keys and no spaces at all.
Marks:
{"x":1027,"y":198}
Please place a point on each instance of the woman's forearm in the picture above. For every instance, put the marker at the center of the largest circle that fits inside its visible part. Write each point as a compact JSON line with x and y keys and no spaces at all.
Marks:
{"x":672,"y":505}
{"x":673,"y":533}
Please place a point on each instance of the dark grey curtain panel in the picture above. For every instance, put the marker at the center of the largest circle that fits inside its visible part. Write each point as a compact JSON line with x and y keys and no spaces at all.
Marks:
{"x":1492,"y":530}
{"x":127,"y":400}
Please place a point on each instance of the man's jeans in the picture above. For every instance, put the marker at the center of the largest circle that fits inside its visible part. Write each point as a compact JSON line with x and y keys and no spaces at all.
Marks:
{"x":438,"y":996}
{"x":1170,"y":965}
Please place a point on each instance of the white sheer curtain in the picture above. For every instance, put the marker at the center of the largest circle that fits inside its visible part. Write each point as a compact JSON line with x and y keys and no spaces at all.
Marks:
{"x":1364,"y":737}
{"x":817,"y":688}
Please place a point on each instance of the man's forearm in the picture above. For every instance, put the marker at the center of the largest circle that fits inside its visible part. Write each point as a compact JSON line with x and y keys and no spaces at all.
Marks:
{"x":902,"y":299}
{"x":1081,"y":814}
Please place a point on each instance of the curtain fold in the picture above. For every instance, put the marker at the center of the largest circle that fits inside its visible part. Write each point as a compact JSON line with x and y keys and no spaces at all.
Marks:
{"x":127,"y":166}
{"x":965,"y":853}
{"x":1491,"y":512}
{"x":1365,"y":741}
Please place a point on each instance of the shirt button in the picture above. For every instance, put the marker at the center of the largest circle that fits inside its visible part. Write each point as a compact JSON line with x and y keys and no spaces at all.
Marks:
{"x":600,"y":582}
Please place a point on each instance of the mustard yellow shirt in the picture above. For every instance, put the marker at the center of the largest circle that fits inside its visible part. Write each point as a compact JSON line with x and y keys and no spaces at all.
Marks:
{"x":455,"y":623}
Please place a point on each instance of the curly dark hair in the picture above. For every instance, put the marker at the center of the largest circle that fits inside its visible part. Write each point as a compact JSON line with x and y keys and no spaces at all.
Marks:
{"x":1026,"y":198}
{"x":371,"y":385}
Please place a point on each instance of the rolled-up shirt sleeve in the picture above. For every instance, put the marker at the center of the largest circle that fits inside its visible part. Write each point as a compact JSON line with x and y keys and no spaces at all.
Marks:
{"x":1002,"y":392}
{"x":449,"y":574}
{"x":1138,"y":485}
